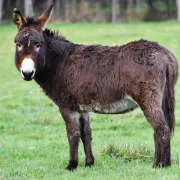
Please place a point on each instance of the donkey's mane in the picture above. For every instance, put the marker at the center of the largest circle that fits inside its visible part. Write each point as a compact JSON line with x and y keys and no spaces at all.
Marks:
{"x":55,"y":34}
{"x":30,"y":20}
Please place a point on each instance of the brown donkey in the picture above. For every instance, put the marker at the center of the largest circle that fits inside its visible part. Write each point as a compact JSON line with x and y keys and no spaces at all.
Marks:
{"x":102,"y":79}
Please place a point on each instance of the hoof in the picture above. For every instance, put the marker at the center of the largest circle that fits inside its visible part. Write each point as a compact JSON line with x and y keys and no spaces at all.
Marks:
{"x":72,"y":165}
{"x":89,"y":162}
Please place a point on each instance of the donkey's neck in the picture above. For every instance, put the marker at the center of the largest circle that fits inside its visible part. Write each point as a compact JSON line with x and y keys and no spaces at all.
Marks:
{"x":58,"y":45}
{"x":57,"y":52}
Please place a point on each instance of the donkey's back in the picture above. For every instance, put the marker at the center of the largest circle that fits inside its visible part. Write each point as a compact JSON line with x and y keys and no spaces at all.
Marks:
{"x":107,"y":79}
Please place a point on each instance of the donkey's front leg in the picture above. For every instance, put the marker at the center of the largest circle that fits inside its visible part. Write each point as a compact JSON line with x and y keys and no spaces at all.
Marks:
{"x":71,"y":119}
{"x":86,"y":138}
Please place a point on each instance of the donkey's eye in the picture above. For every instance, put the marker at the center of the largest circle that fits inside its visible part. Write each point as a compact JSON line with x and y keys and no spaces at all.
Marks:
{"x":38,"y":45}
{"x":19,"y":46}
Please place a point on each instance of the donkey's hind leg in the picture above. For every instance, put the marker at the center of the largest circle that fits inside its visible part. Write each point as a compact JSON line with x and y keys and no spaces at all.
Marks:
{"x":150,"y":103}
{"x":86,"y":138}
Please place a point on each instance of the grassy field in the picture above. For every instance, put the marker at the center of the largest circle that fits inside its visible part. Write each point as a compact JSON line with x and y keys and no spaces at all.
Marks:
{"x":33,"y":143}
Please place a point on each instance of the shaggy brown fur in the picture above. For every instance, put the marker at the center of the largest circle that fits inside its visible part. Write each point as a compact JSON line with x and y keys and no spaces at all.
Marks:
{"x":82,"y":79}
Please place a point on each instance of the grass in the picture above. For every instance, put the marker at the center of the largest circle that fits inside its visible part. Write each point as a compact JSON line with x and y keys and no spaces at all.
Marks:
{"x":33,"y":138}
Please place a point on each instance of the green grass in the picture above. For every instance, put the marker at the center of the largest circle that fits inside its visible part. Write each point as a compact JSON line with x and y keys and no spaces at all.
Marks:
{"x":33,"y":143}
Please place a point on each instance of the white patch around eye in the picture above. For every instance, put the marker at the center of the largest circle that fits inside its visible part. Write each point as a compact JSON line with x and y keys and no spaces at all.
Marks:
{"x":28,"y":66}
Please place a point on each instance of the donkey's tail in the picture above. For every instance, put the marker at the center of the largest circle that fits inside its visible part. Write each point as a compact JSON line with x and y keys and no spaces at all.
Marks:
{"x":168,"y":103}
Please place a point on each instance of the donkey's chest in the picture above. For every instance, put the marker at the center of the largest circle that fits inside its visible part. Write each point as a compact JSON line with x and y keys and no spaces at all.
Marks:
{"x":117,"y":107}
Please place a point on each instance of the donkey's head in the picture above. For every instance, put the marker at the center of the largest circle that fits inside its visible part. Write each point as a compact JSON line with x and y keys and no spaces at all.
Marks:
{"x":29,"y":41}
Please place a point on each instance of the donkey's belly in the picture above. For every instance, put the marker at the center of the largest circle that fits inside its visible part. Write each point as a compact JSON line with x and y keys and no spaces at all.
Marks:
{"x":118,"y":107}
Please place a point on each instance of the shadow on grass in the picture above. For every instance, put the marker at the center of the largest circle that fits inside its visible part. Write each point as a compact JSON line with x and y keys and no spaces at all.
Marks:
{"x":130,"y":153}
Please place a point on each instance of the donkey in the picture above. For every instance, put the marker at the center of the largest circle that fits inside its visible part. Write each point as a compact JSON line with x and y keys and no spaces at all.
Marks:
{"x":92,"y":78}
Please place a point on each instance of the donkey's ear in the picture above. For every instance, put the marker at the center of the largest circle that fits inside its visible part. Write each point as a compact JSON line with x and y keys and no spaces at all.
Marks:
{"x":18,"y":19}
{"x":43,"y":19}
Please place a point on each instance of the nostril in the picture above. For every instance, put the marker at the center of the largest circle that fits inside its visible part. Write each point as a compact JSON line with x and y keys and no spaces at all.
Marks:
{"x":33,"y":73}
{"x":23,"y":73}
{"x":27,"y":75}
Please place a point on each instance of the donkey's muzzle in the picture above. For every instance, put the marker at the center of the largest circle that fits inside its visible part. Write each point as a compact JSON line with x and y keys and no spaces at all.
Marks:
{"x":27,"y":75}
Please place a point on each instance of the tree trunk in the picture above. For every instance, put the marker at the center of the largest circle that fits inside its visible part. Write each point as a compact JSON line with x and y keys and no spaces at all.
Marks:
{"x":129,"y":10}
{"x":178,"y":9}
{"x":1,"y":9}
{"x":28,"y":8}
{"x":169,"y":7}
{"x":115,"y":11}
{"x":57,"y":8}
{"x":49,"y":2}
{"x":18,"y":4}
{"x":150,"y":4}
{"x":137,"y":4}
{"x":74,"y":6}
{"x":67,"y":11}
